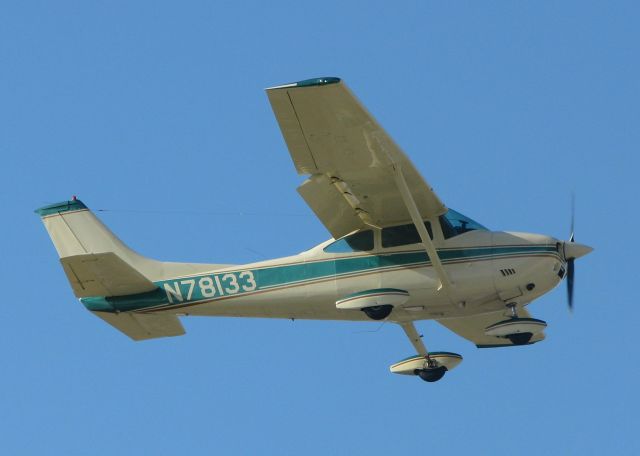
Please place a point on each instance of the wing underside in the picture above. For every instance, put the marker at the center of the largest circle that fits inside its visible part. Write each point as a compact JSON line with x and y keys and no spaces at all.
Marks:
{"x":349,"y":157}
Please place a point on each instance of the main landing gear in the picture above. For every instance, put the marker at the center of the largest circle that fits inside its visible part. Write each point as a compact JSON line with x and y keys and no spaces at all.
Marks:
{"x":378,"y":312}
{"x":432,"y":372}
{"x":430,"y":367}
{"x":376,"y":304}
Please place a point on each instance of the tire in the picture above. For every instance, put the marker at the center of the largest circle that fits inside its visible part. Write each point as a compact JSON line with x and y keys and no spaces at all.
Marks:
{"x":520,"y":338}
{"x":378,"y":312}
{"x":432,"y":374}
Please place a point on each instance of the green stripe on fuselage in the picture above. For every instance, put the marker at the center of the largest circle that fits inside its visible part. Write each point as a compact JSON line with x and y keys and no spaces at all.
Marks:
{"x":269,"y":278}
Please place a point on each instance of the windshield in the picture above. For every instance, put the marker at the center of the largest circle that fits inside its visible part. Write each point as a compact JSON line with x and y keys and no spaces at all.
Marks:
{"x":454,"y":223}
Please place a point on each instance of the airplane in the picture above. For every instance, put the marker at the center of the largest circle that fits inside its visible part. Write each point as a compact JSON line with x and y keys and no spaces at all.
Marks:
{"x":397,"y":253}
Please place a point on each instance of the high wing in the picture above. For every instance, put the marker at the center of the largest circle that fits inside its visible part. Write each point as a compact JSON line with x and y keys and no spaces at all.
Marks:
{"x":350,"y":158}
{"x":472,"y":328}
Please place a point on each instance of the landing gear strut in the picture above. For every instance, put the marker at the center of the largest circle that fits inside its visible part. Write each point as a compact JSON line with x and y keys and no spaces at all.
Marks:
{"x":429,"y":366}
{"x":522,"y":338}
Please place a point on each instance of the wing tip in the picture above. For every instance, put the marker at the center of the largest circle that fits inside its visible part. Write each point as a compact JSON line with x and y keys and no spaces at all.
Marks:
{"x":313,"y":82}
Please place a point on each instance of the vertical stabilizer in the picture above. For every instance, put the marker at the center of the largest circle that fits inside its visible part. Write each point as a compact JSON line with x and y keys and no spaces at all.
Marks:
{"x":75,"y":231}
{"x":96,"y":262}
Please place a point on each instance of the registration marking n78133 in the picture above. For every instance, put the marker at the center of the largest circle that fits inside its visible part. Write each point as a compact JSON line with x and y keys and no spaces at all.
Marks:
{"x":209,"y":286}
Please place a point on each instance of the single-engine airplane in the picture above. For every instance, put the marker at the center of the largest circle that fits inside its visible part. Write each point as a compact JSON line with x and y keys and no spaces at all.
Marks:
{"x":397,"y":253}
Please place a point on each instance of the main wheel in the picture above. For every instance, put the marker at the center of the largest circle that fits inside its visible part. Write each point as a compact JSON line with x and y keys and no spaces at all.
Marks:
{"x":378,"y":312}
{"x":520,"y":338}
{"x":432,"y":374}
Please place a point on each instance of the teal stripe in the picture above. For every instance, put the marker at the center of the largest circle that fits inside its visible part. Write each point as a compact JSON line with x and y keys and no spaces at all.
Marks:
{"x":64,"y":206}
{"x":434,"y":354}
{"x":317,"y":81}
{"x":126,"y":303}
{"x":375,"y":291}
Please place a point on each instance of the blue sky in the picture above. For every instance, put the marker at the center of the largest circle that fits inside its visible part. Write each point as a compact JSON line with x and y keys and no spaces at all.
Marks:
{"x":155,"y":112}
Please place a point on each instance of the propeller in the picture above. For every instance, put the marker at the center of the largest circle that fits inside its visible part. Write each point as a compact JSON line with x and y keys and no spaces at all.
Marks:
{"x":572,"y":250}
{"x":570,"y":281}
{"x":571,"y":269}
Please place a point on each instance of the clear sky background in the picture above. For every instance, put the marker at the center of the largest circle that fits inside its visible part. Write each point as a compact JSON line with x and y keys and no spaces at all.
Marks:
{"x":155,"y":112}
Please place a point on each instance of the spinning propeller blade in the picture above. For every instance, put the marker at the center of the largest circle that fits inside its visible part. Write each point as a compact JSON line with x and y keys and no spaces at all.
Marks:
{"x":570,"y":278}
{"x":570,"y":263}
{"x":573,"y":250}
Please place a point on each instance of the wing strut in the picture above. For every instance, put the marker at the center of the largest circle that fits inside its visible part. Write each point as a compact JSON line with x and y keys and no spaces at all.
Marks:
{"x":422,"y":230}
{"x":415,"y":338}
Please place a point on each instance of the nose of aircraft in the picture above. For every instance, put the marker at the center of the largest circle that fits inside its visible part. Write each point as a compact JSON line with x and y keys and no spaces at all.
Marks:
{"x":573,"y":250}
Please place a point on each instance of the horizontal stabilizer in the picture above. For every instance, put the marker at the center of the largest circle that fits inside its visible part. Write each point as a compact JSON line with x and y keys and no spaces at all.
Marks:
{"x":103,"y":274}
{"x":144,"y":326}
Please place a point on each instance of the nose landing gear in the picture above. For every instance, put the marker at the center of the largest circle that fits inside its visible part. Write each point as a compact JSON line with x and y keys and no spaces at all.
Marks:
{"x":520,"y":338}
{"x":518,"y":331}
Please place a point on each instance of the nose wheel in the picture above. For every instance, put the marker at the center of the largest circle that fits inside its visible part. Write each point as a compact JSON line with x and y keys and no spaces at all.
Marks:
{"x":518,"y":331}
{"x":520,"y":338}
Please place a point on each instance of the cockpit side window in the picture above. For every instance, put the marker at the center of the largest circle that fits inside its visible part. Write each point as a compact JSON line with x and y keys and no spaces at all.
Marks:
{"x":361,"y":241}
{"x":395,"y":236}
{"x":454,"y":223}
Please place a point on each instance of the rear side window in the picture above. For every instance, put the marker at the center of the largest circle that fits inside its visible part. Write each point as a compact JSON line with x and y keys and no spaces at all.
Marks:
{"x":361,"y":241}
{"x":395,"y":236}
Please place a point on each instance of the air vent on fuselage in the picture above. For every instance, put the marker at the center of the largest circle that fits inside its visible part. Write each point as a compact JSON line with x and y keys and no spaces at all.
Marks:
{"x":507,"y":272}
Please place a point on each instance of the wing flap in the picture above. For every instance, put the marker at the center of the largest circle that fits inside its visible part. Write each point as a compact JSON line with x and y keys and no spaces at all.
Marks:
{"x":103,"y":274}
{"x":329,"y":206}
{"x":144,"y":326}
{"x":472,"y":328}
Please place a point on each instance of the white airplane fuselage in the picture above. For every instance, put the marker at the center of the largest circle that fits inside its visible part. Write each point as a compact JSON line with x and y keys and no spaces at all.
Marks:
{"x":487,"y":270}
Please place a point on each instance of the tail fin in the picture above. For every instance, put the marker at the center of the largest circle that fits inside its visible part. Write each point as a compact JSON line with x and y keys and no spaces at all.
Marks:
{"x":96,"y":262}
{"x":74,"y":230}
